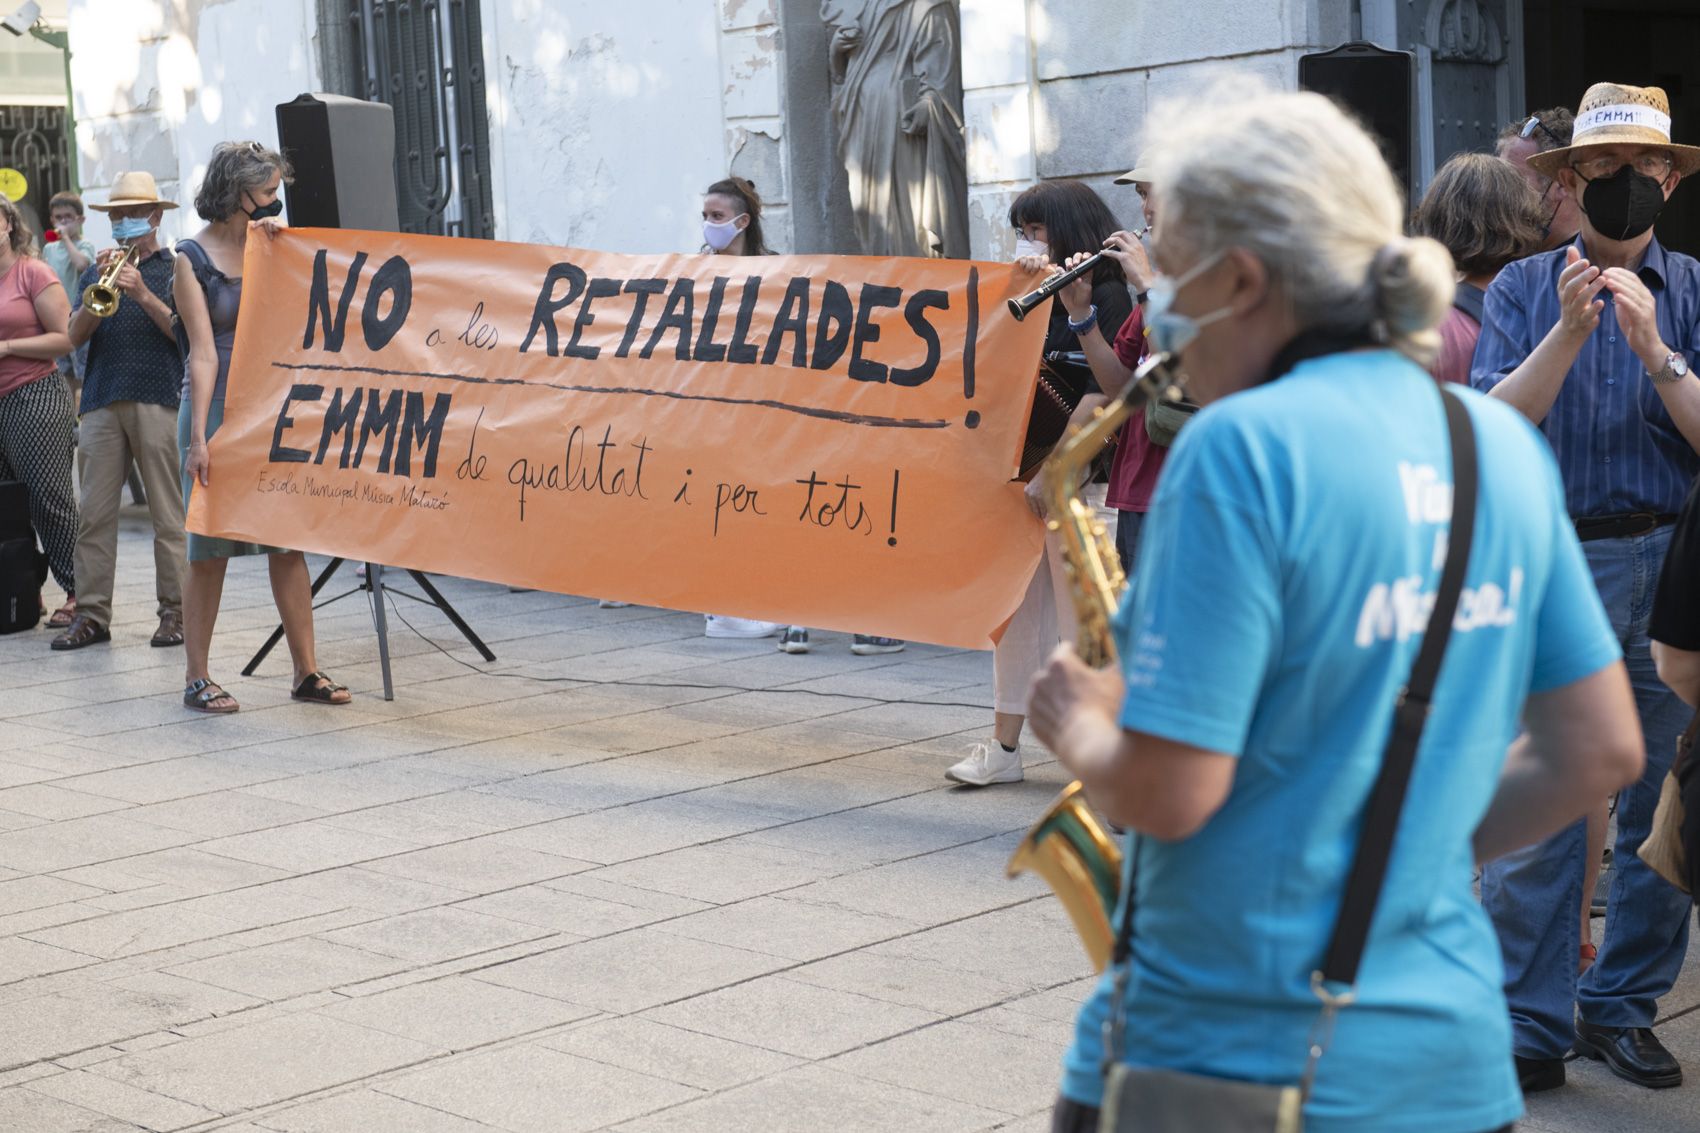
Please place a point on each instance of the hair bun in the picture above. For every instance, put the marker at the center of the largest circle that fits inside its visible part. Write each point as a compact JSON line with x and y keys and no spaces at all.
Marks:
{"x":1412,"y":282}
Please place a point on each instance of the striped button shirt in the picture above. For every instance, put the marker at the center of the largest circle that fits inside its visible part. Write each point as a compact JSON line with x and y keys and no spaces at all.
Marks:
{"x":1617,"y":448}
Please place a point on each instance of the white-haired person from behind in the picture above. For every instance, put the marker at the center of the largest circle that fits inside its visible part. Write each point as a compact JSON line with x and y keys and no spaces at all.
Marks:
{"x":1302,"y":516}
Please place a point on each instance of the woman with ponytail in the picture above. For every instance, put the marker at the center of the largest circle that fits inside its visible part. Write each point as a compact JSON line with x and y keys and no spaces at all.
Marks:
{"x":1284,"y":581}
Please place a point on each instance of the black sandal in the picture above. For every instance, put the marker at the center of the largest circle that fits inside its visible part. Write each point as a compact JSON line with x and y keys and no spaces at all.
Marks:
{"x":200,"y":693}
{"x":319,"y":689}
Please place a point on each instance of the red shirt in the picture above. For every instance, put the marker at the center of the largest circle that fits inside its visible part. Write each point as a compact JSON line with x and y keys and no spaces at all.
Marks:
{"x":27,"y":278}
{"x":1134,"y":469}
{"x":1458,"y":334}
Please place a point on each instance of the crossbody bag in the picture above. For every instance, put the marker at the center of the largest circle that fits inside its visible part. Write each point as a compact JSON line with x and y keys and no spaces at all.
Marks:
{"x":1149,"y":1100}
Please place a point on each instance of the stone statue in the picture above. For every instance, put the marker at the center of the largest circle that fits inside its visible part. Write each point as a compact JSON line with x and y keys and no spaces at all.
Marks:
{"x":897,"y":101}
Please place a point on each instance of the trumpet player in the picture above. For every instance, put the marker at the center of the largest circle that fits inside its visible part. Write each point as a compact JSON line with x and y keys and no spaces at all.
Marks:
{"x":129,"y":412}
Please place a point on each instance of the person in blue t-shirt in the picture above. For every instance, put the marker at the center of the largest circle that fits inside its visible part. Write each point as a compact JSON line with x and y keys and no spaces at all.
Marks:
{"x":1284,"y":581}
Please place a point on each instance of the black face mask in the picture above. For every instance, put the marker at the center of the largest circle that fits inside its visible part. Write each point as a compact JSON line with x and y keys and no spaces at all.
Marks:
{"x":1624,"y":205}
{"x":260,"y":212}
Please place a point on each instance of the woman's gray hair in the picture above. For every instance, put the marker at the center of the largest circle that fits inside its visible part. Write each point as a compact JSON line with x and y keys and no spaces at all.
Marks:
{"x":236,"y":168}
{"x":21,"y":238}
{"x":1295,"y":181}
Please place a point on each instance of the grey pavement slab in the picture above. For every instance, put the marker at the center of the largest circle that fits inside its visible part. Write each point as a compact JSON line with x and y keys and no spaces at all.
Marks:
{"x":265,"y":1062}
{"x":675,"y":1053}
{"x":815,"y":1097}
{"x":674,"y":884}
{"x":456,"y":1013}
{"x":784,"y":1015}
{"x":533,"y":1089}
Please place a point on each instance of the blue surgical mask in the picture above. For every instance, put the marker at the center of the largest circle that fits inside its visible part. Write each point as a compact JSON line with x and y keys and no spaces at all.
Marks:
{"x":1169,"y":331}
{"x":131,"y":228}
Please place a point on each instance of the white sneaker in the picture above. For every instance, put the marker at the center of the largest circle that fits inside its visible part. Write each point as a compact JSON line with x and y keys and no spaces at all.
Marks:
{"x":795,"y":640}
{"x":717,"y":625}
{"x":986,"y":764}
{"x":611,"y":604}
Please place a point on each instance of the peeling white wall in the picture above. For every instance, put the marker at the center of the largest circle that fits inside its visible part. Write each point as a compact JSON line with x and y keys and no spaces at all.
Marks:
{"x":158,"y":82}
{"x":609,"y":119}
{"x":606,"y":120}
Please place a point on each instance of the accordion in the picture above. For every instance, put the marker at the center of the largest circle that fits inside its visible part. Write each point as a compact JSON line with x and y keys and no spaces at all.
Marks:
{"x":1064,"y":378}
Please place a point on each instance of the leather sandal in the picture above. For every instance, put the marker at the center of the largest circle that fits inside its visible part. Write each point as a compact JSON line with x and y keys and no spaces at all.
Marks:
{"x":316,"y":688}
{"x":170,"y":631}
{"x":201,"y":695}
{"x":82,"y":631}
{"x":61,"y":618}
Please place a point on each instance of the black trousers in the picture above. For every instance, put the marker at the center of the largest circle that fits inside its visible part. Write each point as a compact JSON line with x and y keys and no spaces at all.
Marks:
{"x":1069,"y":1116}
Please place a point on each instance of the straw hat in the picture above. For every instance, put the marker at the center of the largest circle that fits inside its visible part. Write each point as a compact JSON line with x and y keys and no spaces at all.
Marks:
{"x":1613,"y":114}
{"x":134,"y":189}
{"x":1140,"y":172}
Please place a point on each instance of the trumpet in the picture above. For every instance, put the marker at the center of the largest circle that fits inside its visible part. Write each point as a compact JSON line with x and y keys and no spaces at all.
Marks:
{"x":102,"y":297}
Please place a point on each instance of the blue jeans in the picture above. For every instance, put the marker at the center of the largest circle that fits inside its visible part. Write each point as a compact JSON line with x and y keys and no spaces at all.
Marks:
{"x":1128,"y":524}
{"x":1535,"y":894}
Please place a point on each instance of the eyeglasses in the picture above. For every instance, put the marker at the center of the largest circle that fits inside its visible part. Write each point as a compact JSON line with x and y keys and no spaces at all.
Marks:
{"x":1534,"y":123}
{"x":1656,"y":165}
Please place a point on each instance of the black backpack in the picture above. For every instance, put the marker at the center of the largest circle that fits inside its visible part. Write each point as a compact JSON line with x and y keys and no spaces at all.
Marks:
{"x":23,"y":569}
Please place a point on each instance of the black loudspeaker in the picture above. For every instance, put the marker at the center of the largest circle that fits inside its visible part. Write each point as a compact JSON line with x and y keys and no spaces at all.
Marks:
{"x":343,"y":152}
{"x":1375,"y":85}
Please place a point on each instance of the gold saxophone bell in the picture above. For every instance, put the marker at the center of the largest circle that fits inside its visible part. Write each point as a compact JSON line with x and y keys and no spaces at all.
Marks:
{"x":102,"y":297}
{"x":1068,"y":847}
{"x":1082,"y":865}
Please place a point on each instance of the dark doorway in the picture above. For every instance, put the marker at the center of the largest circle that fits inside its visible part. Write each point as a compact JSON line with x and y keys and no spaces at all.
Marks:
{"x":1569,"y":44}
{"x":33,"y":140}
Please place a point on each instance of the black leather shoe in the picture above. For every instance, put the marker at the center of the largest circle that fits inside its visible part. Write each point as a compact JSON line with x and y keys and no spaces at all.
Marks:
{"x":1633,"y":1053}
{"x":1537,"y":1074}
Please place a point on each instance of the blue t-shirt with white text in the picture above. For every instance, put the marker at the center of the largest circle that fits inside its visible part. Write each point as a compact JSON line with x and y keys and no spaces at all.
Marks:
{"x":1283,"y":584}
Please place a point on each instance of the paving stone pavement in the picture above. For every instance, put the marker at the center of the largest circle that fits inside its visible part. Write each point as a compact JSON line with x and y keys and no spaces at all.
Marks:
{"x":624,"y":878}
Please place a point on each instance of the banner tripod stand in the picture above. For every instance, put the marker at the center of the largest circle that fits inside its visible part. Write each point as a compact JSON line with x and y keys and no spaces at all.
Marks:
{"x":373,"y":584}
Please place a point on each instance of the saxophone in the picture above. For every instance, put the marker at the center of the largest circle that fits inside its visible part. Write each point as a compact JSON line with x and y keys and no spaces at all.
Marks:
{"x":1068,"y":846}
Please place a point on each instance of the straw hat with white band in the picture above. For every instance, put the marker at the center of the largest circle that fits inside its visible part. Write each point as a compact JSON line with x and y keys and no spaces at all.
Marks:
{"x":134,"y":189}
{"x":1613,"y":114}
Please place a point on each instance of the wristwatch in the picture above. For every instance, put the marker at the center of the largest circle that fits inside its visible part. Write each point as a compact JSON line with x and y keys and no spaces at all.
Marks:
{"x":1674,"y":369}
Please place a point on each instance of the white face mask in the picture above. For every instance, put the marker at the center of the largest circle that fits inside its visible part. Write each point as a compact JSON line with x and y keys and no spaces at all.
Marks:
{"x":720,"y":236}
{"x":1169,"y":330}
{"x":1025,"y":247}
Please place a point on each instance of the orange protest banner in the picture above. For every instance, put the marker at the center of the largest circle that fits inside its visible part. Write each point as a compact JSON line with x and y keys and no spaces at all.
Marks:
{"x":820,"y":440}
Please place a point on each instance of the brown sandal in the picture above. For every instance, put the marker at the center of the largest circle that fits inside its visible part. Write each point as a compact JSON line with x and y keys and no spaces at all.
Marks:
{"x":200,"y":694}
{"x":63,"y":616}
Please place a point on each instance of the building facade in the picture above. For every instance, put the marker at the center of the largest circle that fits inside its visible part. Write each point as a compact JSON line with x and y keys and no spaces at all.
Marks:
{"x":597,"y":125}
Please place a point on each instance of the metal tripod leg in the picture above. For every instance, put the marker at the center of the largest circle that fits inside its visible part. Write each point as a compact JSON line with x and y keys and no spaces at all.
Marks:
{"x":375,"y":583}
{"x":452,"y":614}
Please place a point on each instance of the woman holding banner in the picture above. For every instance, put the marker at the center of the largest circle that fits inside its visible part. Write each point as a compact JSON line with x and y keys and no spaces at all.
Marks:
{"x":238,"y":196}
{"x":731,"y":226}
{"x":1054,"y":221}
